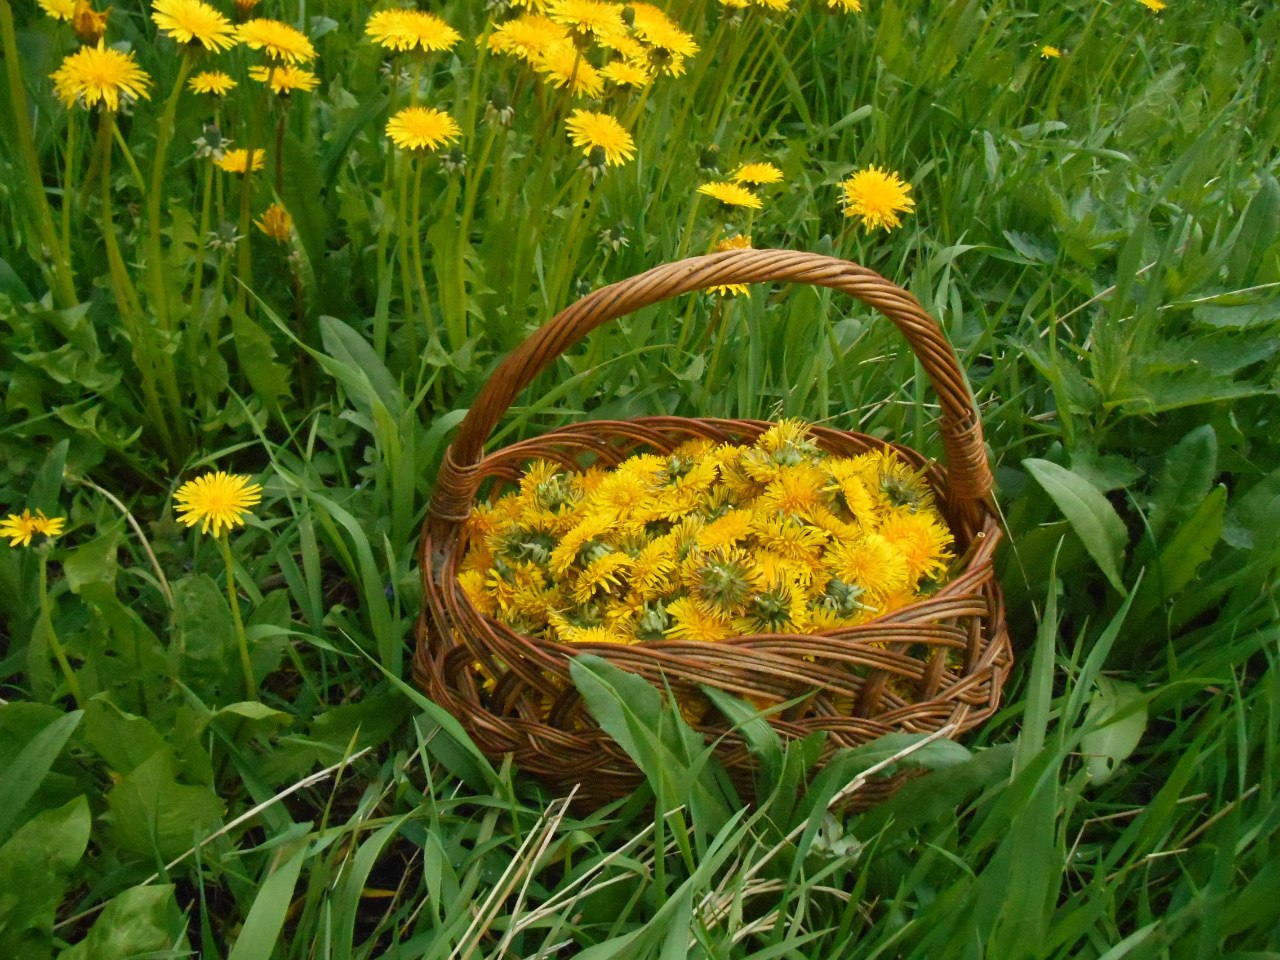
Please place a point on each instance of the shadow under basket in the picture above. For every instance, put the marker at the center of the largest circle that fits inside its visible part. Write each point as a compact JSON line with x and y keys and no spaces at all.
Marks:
{"x":937,"y":663}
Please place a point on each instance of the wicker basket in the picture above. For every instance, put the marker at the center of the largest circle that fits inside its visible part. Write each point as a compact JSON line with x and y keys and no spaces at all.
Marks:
{"x":534,"y":712}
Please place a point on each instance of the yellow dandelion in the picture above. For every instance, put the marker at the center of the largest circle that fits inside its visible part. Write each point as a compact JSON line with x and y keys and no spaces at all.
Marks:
{"x":212,"y":82}
{"x":922,"y":539}
{"x":789,"y":538}
{"x":472,"y":584}
{"x":872,"y":563}
{"x":21,"y":527}
{"x":422,"y":128}
{"x":193,"y":22}
{"x":585,"y":17}
{"x":238,"y":161}
{"x":626,"y":73}
{"x":276,"y":223}
{"x":731,"y":194}
{"x":876,"y":197}
{"x":94,"y":74}
{"x":669,"y":46}
{"x":689,"y":621}
{"x":845,"y":6}
{"x":1155,"y":6}
{"x":1048,"y":52}
{"x":756,"y":174}
{"x":732,"y":289}
{"x":285,"y":78}
{"x":220,"y":500}
{"x":777,"y":6}
{"x":59,"y":9}
{"x":566,"y":67}
{"x":603,"y":574}
{"x":277,"y":40}
{"x":403,"y":30}
{"x":528,"y":37}
{"x":88,"y":23}
{"x":600,"y":132}
{"x":796,"y":491}
{"x":725,"y":531}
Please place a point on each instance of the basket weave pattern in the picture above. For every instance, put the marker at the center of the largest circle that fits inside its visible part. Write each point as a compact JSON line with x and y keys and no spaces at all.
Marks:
{"x":936,"y":662}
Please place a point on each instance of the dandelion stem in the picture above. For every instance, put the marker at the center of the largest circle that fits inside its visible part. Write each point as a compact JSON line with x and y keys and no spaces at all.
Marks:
{"x":46,"y":618}
{"x":68,"y":178}
{"x":246,"y":664}
{"x":57,"y":262}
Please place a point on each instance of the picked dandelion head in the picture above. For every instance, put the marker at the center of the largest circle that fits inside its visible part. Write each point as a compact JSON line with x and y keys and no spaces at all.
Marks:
{"x":89,"y":24}
{"x":599,"y":131}
{"x":404,"y":30}
{"x":214,"y":83}
{"x":285,"y":78}
{"x":20,"y":528}
{"x":422,"y":128}
{"x":59,"y":9}
{"x":756,"y":174}
{"x":1049,"y":52}
{"x":876,"y":197}
{"x":277,"y":40}
{"x":276,"y":223}
{"x":99,"y":74}
{"x":731,"y":194}
{"x":219,"y":500}
{"x":194,"y":22}
{"x":237,"y":161}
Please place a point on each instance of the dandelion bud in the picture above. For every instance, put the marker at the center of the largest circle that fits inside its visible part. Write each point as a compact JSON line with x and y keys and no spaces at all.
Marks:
{"x":89,"y":24}
{"x":629,"y":16}
{"x":709,"y":158}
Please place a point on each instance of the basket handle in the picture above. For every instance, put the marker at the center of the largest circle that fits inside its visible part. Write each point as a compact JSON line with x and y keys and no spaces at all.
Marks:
{"x":961,"y":426}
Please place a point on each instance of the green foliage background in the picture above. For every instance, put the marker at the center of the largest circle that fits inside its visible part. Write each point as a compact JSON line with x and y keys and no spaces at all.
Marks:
{"x":1098,"y":234}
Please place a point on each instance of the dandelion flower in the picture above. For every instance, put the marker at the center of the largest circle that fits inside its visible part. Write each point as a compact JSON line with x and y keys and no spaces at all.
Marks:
{"x":286,"y":78}
{"x":586,"y":16}
{"x":845,"y":6}
{"x":599,"y":131}
{"x":94,"y":74}
{"x":276,"y":223}
{"x":21,"y":527}
{"x":876,"y":197}
{"x":422,"y":128}
{"x":1048,"y":52}
{"x":732,"y":243}
{"x":219,"y":500}
{"x":566,"y":67}
{"x":528,"y":37}
{"x":731,"y":194}
{"x":403,"y":30}
{"x":59,"y":9}
{"x":89,"y":24}
{"x":277,"y":40}
{"x":213,"y":82}
{"x":626,"y":73}
{"x":244,"y":7}
{"x":237,"y":161}
{"x":193,"y":22}
{"x":1155,"y":6}
{"x":756,"y":174}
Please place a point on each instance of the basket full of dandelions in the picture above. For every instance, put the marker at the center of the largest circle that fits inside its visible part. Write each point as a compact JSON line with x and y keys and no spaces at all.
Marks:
{"x":836,"y":582}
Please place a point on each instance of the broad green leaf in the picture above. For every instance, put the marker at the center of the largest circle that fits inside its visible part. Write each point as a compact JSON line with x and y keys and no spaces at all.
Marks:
{"x":122,"y":739}
{"x":93,"y":563}
{"x":204,"y":647}
{"x":1119,"y":711}
{"x":35,"y":865}
{"x":1092,"y":517}
{"x":1185,"y":478}
{"x":1259,"y":228}
{"x":1183,"y":555}
{"x":257,"y":356}
{"x":22,"y":776}
{"x":139,"y":922}
{"x":151,"y":814}
{"x":261,"y":930}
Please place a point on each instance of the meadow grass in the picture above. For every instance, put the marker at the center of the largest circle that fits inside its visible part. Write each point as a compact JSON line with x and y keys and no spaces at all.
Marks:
{"x":1098,"y":234}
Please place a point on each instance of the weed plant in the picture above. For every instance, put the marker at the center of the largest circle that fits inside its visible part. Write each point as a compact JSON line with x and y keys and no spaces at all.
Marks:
{"x":208,"y":745}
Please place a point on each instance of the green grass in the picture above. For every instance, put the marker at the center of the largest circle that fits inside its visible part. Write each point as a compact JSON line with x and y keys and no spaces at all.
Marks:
{"x":1099,"y":236}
